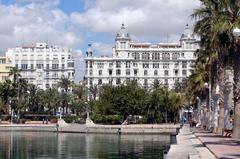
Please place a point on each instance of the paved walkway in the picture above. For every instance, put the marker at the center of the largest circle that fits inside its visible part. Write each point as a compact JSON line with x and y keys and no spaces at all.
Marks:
{"x":221,"y":147}
{"x":188,"y":146}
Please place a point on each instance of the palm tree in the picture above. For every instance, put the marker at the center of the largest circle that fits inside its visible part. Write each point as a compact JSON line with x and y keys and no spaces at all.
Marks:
{"x":223,"y":17}
{"x":15,"y":73}
{"x":65,"y":84}
{"x":6,"y":94}
{"x":51,"y":99}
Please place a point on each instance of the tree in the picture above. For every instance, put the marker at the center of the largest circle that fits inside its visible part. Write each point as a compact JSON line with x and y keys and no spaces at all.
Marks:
{"x":93,"y":91}
{"x":65,"y":84}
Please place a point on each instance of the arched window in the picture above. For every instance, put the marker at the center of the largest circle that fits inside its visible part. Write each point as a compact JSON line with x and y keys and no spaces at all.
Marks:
{"x":155,"y":56}
{"x":166,"y":56}
{"x":145,"y":56}
{"x":136,"y":56}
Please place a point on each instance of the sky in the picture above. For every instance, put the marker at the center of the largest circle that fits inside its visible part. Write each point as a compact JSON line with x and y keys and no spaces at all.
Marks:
{"x":75,"y":23}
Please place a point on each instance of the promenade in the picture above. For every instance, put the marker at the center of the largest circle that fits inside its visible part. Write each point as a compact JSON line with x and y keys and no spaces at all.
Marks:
{"x":221,"y":147}
{"x":188,"y":146}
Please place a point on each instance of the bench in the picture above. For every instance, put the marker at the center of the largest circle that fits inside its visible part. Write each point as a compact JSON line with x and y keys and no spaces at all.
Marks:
{"x":5,"y":122}
{"x":34,"y":122}
{"x":227,"y":132}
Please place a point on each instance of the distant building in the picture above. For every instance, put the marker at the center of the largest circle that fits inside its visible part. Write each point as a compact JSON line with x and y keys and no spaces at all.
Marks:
{"x":5,"y":67}
{"x":43,"y":65}
{"x":144,"y":62}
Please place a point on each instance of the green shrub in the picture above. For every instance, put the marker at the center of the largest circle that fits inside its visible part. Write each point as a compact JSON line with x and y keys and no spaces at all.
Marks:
{"x":106,"y":119}
{"x":71,"y":119}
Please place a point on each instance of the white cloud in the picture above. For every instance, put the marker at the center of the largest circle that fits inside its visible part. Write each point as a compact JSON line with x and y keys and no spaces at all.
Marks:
{"x":101,"y":49}
{"x":30,"y":21}
{"x":151,"y":19}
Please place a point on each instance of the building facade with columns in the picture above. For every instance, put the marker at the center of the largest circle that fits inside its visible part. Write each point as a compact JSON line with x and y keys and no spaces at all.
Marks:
{"x":43,"y":65}
{"x":144,"y":62}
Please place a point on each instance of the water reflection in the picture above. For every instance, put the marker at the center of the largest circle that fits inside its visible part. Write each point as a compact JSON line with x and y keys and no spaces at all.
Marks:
{"x":44,"y":145}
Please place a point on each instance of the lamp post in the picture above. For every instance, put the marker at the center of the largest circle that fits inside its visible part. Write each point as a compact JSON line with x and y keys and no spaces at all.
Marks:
{"x":236,"y":125}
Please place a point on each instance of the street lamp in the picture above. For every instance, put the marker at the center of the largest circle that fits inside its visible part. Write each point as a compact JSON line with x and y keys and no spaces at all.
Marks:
{"x":236,"y":32}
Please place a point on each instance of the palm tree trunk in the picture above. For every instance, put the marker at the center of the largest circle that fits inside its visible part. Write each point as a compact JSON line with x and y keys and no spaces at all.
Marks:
{"x":221,"y":102}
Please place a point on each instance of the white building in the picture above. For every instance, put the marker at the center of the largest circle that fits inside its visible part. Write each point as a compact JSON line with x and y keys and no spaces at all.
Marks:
{"x":144,"y":62}
{"x":43,"y":65}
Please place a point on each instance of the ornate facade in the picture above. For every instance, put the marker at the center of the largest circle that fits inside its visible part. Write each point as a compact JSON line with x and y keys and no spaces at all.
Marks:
{"x":144,"y":62}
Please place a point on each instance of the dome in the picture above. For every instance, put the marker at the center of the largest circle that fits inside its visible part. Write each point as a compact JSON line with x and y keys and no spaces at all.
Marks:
{"x":123,"y":33}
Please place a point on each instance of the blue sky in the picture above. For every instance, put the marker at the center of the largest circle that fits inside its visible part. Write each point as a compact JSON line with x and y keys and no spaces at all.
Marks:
{"x":75,"y":23}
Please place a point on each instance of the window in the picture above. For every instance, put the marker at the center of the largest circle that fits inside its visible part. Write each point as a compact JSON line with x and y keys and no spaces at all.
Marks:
{"x":110,"y":81}
{"x":91,"y":81}
{"x":145,"y":65}
{"x":100,"y":65}
{"x":155,"y":65}
{"x":182,"y":55}
{"x":127,"y":64}
{"x":184,"y":64}
{"x":155,"y":72}
{"x":24,"y":66}
{"x":118,"y":81}
{"x":39,"y":66}
{"x":110,"y":72}
{"x":145,"y":56}
{"x":70,"y":64}
{"x":145,"y":72}
{"x":90,"y":64}
{"x":165,"y":65}
{"x":176,"y":65}
{"x":155,"y":56}
{"x":16,"y":65}
{"x":99,"y":81}
{"x":165,"y":72}
{"x":135,"y":72}
{"x":54,"y":66}
{"x":135,"y":64}
{"x":122,"y":45}
{"x":47,"y":85}
{"x":47,"y":66}
{"x":63,"y":66}
{"x":47,"y":74}
{"x":176,"y":72}
{"x":99,"y":72}
{"x":90,"y":72}
{"x":184,"y":72}
{"x":136,"y":55}
{"x":175,"y":56}
{"x":118,"y":64}
{"x":118,"y":72}
{"x":128,"y":72}
{"x":166,"y":56}
{"x":110,"y":64}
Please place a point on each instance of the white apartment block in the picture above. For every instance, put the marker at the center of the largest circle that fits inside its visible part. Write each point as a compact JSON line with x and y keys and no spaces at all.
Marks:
{"x":144,"y":62}
{"x":43,"y":65}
